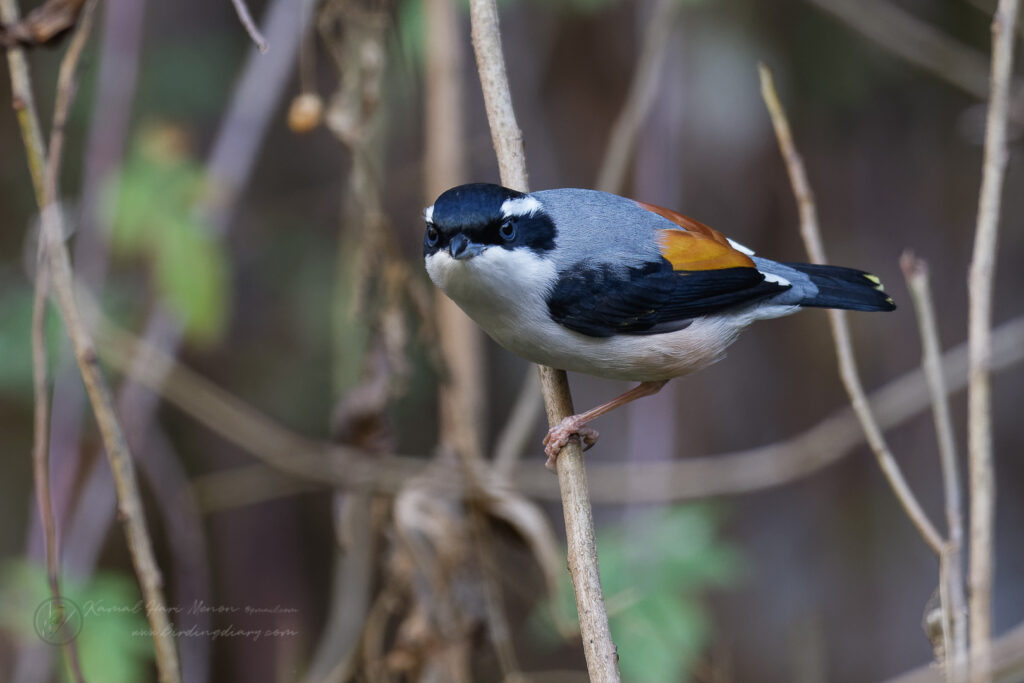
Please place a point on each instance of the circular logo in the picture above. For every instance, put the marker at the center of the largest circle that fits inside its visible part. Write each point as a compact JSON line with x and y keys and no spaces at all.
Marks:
{"x":58,"y":620}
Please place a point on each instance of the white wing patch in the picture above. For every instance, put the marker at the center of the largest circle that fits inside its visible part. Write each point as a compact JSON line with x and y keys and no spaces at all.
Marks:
{"x":777,"y":279}
{"x":428,"y":214}
{"x":520,"y":206}
{"x":739,"y":247}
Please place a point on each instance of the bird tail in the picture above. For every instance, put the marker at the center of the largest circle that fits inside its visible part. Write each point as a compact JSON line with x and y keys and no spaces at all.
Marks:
{"x":848,"y":288}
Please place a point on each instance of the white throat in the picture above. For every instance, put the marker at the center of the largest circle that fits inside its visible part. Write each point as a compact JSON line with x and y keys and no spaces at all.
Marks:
{"x":504,"y":290}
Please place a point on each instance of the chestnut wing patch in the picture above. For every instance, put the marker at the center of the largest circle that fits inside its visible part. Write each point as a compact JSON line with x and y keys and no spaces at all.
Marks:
{"x":600,"y":301}
{"x":696,"y":246}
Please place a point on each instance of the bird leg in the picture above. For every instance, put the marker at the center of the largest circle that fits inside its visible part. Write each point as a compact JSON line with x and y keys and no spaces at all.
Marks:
{"x":560,"y":434}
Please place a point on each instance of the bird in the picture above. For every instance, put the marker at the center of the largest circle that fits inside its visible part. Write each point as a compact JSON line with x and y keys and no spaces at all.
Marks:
{"x":592,"y":282}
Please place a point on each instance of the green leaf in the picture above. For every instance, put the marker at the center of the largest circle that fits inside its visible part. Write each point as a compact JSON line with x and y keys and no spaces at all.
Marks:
{"x":654,"y":568}
{"x":191,"y":276}
{"x":151,"y":210}
{"x":113,"y":642}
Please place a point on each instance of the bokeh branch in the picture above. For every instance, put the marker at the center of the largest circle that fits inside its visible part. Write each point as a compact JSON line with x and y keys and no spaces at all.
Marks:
{"x":840,"y":330}
{"x":602,"y":659}
{"x":920,"y":44}
{"x":980,"y":286}
{"x":663,"y":482}
{"x":643,"y":90}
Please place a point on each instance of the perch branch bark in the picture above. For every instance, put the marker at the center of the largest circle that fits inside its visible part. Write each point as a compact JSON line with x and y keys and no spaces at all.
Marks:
{"x":602,"y":659}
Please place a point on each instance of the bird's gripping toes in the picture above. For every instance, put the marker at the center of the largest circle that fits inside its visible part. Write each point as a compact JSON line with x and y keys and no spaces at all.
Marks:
{"x":592,"y":282}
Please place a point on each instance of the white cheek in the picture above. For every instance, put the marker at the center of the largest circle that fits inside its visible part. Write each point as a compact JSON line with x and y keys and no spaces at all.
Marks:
{"x":440,"y":267}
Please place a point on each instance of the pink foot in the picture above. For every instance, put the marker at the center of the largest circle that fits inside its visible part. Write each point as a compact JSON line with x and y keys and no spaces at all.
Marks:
{"x":560,"y":434}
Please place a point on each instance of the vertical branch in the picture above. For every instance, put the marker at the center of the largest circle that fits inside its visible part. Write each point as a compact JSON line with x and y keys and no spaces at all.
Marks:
{"x":954,"y":602}
{"x":51,"y":175}
{"x":23,"y":102}
{"x":56,"y":257}
{"x":490,"y":62}
{"x":840,"y":330}
{"x":41,"y":449}
{"x":602,"y":659}
{"x":983,"y":263}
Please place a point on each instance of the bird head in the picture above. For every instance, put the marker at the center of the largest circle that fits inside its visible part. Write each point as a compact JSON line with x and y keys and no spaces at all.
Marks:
{"x":469,"y":220}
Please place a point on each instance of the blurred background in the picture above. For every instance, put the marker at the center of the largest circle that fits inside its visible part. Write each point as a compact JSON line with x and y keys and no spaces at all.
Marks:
{"x":258,"y":217}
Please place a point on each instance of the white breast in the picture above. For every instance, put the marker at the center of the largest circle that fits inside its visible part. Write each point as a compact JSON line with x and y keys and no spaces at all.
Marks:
{"x":505,"y":292}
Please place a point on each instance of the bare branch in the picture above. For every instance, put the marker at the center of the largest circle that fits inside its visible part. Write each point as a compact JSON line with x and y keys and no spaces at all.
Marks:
{"x":953,"y":602}
{"x":490,"y":61}
{"x":840,"y":331}
{"x":24,"y":104}
{"x":981,"y":277}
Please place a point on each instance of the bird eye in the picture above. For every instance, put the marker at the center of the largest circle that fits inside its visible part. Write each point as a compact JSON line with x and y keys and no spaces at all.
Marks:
{"x":432,"y":236}
{"x":507,"y":231}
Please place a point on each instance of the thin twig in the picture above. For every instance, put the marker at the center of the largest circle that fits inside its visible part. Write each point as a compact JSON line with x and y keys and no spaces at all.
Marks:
{"x":981,"y":277}
{"x":126,"y":484}
{"x":953,"y":602}
{"x":840,"y":330}
{"x":65,"y":86}
{"x":41,"y":450}
{"x":250,"y":26}
{"x":643,"y":91}
{"x":24,"y":104}
{"x":602,"y":660}
{"x":229,"y":165}
{"x":52,"y":242}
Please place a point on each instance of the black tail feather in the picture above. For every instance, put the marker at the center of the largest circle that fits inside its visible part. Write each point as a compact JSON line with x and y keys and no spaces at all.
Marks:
{"x":847,"y":288}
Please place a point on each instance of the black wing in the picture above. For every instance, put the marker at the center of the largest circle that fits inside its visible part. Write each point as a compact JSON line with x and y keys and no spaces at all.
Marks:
{"x":601,"y":301}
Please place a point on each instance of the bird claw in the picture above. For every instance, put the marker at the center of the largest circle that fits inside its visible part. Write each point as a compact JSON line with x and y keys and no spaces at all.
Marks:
{"x":559,"y":435}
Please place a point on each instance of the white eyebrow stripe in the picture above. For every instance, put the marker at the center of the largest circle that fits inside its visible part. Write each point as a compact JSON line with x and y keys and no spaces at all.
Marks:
{"x":520,"y":206}
{"x":428,"y":214}
{"x":739,"y":247}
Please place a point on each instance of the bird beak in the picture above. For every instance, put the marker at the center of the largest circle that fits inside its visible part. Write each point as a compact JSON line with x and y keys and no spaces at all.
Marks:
{"x":460,"y":247}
